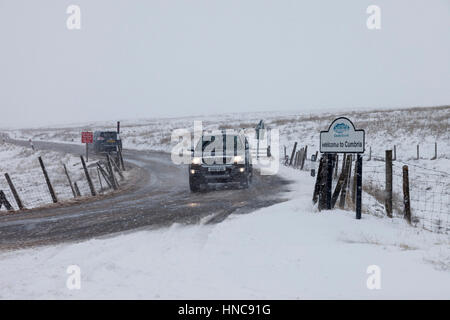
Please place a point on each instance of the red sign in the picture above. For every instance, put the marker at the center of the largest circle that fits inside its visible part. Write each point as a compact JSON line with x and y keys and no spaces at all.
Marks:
{"x":87,"y":137}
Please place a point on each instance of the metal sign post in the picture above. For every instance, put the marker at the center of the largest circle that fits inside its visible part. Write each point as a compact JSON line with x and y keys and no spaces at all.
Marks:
{"x":358,"y":185}
{"x":342,"y":137}
{"x":87,"y":137}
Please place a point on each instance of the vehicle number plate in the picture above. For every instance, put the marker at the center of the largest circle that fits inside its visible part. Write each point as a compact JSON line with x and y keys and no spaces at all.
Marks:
{"x":217,"y":168}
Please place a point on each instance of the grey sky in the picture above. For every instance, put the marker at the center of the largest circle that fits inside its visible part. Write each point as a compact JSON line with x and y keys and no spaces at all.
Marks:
{"x":151,"y":58}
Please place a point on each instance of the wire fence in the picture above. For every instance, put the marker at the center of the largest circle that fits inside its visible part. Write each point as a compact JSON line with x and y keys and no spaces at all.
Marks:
{"x":429,"y":195}
{"x":429,"y":189}
{"x":33,"y":191}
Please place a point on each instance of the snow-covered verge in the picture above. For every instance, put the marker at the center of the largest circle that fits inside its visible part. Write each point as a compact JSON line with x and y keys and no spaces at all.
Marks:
{"x":22,"y":165}
{"x":289,"y":250}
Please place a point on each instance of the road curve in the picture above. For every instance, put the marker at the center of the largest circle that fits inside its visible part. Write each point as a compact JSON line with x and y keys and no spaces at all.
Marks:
{"x":159,"y":197}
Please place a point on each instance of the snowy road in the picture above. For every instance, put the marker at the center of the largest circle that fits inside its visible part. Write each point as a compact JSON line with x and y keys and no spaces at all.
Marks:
{"x":160,"y":197}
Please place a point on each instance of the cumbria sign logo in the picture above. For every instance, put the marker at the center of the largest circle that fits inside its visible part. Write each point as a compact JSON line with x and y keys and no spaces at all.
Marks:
{"x":342,"y":137}
{"x":341,"y":129}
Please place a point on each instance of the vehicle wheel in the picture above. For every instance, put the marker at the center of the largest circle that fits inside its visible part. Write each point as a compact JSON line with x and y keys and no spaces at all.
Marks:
{"x":194,"y":186}
{"x":245,"y":182}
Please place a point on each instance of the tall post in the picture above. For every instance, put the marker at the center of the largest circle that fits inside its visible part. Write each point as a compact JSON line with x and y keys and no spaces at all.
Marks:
{"x":317,"y":186}
{"x":49,"y":184}
{"x":406,"y":199}
{"x":88,"y":177}
{"x":104,"y":174}
{"x":118,"y":126}
{"x":14,"y":192}
{"x":336,"y":165}
{"x":4,"y":201}
{"x":355,"y":181}
{"x":121,"y":159}
{"x":305,"y":154}
{"x":345,"y":171}
{"x":87,"y":152}
{"x":77,"y":190}
{"x":359,"y":164}
{"x":388,"y":191}
{"x":435,"y":151}
{"x":395,"y":153}
{"x":329,"y":185}
{"x":293,"y":153}
{"x":343,"y":162}
{"x":70,"y":181}
{"x":257,"y":148}
{"x":418,"y":157}
{"x":111,"y":173}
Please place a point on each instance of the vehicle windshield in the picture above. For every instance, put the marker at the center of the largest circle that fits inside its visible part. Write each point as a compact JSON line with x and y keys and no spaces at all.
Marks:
{"x":212,"y":145}
{"x":109,"y":135}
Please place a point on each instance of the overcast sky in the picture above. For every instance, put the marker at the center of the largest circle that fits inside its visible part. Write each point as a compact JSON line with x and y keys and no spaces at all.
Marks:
{"x":134,"y":59}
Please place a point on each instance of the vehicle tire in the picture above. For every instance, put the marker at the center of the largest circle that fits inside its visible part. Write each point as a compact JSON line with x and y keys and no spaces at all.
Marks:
{"x":194,"y":185}
{"x":245,"y":182}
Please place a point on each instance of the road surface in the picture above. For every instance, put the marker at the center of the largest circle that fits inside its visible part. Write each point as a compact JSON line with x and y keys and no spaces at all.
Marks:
{"x":158,"y":197}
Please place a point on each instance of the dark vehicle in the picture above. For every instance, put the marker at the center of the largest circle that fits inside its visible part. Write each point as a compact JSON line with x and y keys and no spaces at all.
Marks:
{"x":223,"y":157}
{"x":106,"y":141}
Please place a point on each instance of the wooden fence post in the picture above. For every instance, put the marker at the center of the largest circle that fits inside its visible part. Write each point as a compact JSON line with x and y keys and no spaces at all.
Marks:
{"x":329,"y":180}
{"x":318,"y":181}
{"x":14,"y":192}
{"x":49,"y":184}
{"x":418,"y":156}
{"x":104,"y":174}
{"x":77,"y":190}
{"x":70,"y":181}
{"x":117,"y":168}
{"x":99,"y":179}
{"x":305,"y":154}
{"x":88,"y":177}
{"x":121,"y":159}
{"x":338,"y":188}
{"x":435,"y":151}
{"x":336,"y":167}
{"x":343,"y":162}
{"x":293,"y":153}
{"x":4,"y":201}
{"x":406,"y":200}
{"x":346,"y":171}
{"x":111,"y":173}
{"x":388,"y":191}
{"x":323,"y":184}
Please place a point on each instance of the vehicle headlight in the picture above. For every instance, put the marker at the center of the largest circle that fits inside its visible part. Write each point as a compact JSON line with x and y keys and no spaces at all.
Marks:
{"x":238,"y":159}
{"x":196,"y":160}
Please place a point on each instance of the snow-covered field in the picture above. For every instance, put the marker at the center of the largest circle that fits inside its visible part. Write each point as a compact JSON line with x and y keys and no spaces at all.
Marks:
{"x":403,"y":128}
{"x":22,"y":165}
{"x":287,"y":251}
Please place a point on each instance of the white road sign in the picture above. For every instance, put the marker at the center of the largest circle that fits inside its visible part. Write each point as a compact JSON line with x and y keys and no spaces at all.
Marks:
{"x":342,"y":137}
